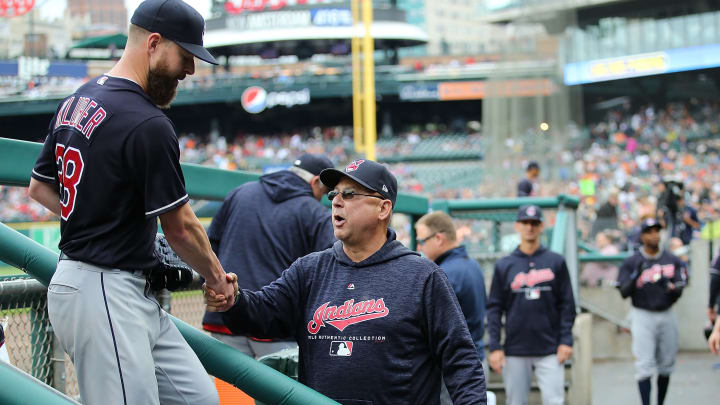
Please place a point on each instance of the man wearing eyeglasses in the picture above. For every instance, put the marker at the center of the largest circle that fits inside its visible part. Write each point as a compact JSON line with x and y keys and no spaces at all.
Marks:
{"x":375,"y":322}
{"x":531,"y":287}
{"x":437,"y":240}
{"x":261,"y":228}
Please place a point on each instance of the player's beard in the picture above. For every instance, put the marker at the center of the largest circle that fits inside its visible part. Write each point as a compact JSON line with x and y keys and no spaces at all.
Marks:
{"x":161,"y":86}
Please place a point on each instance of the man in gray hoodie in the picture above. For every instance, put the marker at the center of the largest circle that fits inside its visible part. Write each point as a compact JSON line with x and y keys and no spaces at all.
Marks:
{"x":375,"y":322}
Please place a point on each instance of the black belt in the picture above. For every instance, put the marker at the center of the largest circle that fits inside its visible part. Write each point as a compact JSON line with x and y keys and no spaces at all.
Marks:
{"x":63,"y":256}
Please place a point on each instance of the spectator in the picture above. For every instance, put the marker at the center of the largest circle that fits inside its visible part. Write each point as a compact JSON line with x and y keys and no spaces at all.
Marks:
{"x":607,"y":215}
{"x":594,"y":274}
{"x":528,"y":186}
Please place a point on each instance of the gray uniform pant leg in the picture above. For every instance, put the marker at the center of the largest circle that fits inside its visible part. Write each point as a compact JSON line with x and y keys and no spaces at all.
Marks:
{"x":551,"y":379}
{"x":124,"y":346}
{"x":655,"y":342}
{"x":254,"y":348}
{"x":517,"y":376}
{"x":667,"y":346}
{"x":644,"y":343}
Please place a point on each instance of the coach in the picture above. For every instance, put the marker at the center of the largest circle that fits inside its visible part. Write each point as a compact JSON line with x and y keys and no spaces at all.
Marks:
{"x":375,"y":322}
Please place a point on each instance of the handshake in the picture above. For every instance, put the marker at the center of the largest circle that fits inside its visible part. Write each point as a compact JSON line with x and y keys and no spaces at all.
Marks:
{"x":221,"y":296}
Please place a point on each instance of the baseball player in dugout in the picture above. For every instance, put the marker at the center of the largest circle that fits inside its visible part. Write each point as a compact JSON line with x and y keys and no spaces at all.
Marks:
{"x":375,"y":322}
{"x":654,"y":280}
{"x":264,"y":226}
{"x":110,"y":168}
{"x":531,"y":288}
{"x":437,"y":240}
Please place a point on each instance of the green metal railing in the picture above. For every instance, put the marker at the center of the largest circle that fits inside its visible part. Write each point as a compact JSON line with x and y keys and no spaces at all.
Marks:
{"x":16,"y":386}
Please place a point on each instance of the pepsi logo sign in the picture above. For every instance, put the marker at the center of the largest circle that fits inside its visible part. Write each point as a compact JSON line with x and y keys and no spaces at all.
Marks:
{"x":255,"y":99}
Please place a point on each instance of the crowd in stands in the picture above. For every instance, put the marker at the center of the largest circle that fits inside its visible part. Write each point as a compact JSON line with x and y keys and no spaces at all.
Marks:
{"x":619,"y":172}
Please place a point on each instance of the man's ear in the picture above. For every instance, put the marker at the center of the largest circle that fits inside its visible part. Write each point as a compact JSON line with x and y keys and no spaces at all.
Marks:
{"x":153,"y":42}
{"x":385,"y":209}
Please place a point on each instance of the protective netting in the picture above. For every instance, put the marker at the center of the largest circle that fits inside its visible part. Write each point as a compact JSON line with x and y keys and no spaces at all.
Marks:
{"x":29,"y":337}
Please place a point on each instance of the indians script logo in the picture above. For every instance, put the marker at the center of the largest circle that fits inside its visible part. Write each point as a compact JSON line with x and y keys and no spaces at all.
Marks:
{"x":354,"y":165}
{"x":531,"y":278}
{"x":347,"y":314}
{"x":655,"y":273}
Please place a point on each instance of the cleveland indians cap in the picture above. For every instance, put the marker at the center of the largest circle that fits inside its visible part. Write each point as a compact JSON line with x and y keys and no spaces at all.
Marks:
{"x":176,"y":21}
{"x":313,"y":163}
{"x":648,"y":224}
{"x":371,"y":175}
{"x":529,"y":213}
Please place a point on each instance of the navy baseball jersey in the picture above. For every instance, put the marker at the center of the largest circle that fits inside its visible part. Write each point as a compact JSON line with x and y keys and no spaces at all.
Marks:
{"x":535,"y":295}
{"x":114,"y":176}
{"x":646,"y":279}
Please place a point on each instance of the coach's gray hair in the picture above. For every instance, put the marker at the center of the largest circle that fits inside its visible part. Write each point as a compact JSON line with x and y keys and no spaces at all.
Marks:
{"x":302,"y":173}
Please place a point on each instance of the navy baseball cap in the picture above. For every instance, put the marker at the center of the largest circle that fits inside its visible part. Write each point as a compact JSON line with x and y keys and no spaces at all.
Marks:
{"x":529,"y":213}
{"x":176,"y":21}
{"x":313,"y":163}
{"x":371,"y":175}
{"x":649,"y":224}
{"x":532,"y":165}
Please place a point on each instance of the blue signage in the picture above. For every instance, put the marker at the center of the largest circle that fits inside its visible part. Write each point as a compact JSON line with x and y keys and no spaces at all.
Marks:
{"x":419,"y":92}
{"x":332,"y":17}
{"x":669,"y":61}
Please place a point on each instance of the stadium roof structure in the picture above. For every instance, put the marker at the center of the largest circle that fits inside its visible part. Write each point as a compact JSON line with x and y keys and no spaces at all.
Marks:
{"x":100,"y":47}
{"x":385,"y":34}
{"x":304,"y":31}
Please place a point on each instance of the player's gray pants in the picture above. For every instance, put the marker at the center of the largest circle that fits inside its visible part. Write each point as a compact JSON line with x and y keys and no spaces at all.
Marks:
{"x":125,"y":348}
{"x":517,"y":377}
{"x":655,"y":342}
{"x":254,"y":348}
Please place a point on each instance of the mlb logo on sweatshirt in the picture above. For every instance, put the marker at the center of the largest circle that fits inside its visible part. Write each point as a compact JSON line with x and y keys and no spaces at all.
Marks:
{"x":341,"y":348}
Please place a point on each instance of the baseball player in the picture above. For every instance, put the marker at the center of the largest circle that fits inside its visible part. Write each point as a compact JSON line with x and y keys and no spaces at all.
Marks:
{"x":375,"y":322}
{"x":654,"y":280}
{"x":283,"y":214}
{"x":110,"y":168}
{"x":531,"y":287}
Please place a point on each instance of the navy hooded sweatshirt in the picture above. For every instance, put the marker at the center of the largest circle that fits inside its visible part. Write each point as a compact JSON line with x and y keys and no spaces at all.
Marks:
{"x":262,"y":227}
{"x":380,"y":331}
{"x":468,"y":282}
{"x":535,"y":294}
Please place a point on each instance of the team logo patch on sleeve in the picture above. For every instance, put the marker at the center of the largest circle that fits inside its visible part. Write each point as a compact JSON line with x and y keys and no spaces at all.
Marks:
{"x":81,"y":114}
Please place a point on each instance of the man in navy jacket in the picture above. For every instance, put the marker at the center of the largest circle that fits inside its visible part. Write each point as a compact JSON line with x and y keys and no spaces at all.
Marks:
{"x":261,"y":228}
{"x":437,"y":240}
{"x":375,"y":322}
{"x":531,"y":287}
